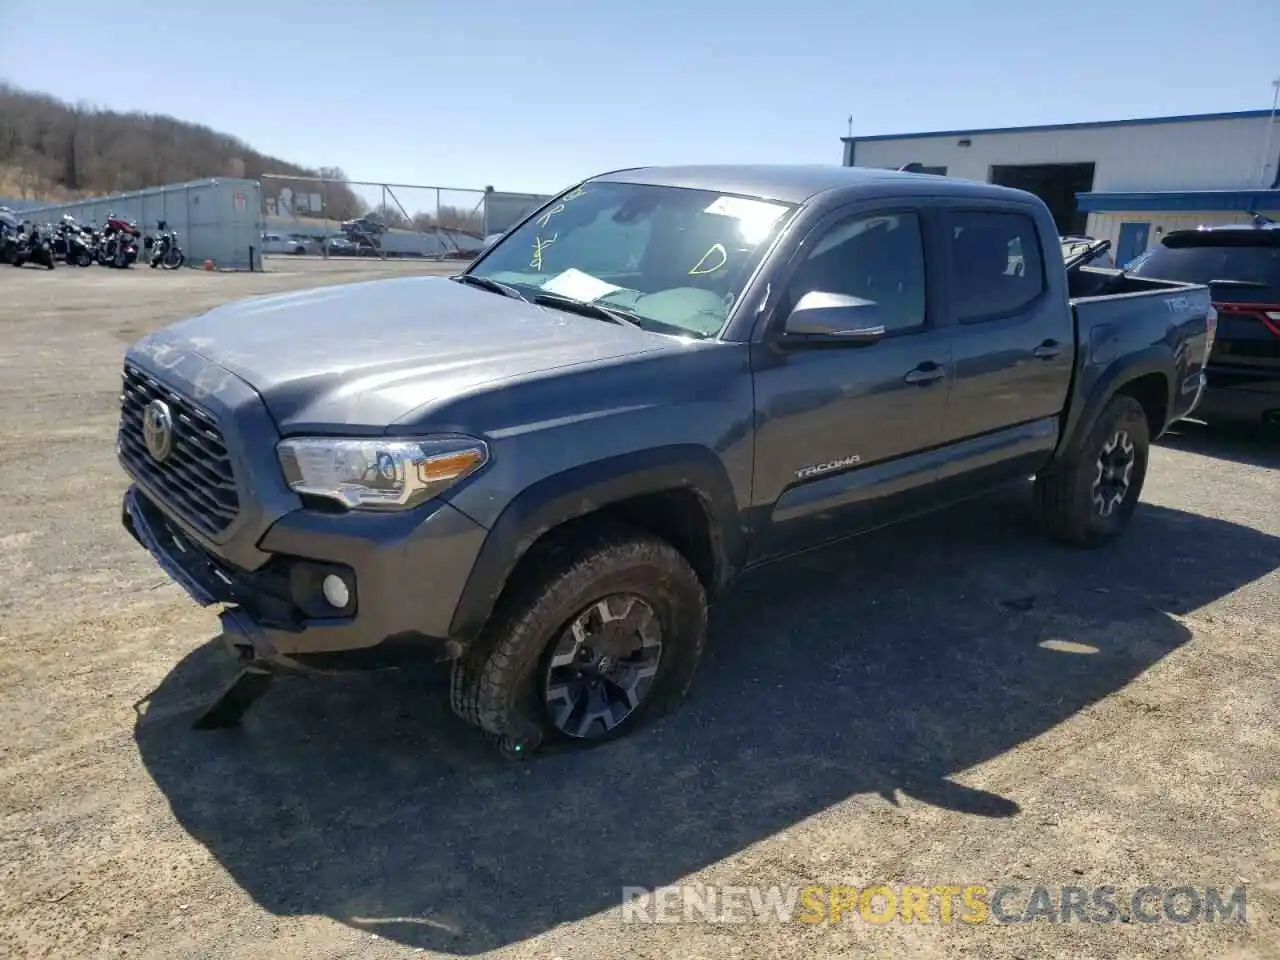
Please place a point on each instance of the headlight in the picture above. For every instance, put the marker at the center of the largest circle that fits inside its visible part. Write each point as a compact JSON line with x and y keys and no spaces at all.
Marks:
{"x":379,"y":474}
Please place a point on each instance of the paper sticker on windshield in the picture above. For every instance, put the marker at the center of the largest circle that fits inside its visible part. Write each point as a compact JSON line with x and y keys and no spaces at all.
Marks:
{"x":578,"y":285}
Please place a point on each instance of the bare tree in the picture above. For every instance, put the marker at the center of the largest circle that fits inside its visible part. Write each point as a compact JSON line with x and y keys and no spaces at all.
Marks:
{"x":389,"y":215}
{"x":53,"y":150}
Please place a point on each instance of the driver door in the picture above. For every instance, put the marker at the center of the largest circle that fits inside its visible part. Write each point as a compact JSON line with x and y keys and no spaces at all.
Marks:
{"x":847,"y":433}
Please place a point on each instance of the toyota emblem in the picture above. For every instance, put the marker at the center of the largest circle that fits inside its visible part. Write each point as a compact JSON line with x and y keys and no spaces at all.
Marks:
{"x":157,"y":430}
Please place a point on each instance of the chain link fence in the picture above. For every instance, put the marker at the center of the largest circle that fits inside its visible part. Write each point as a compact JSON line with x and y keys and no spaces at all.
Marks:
{"x":354,"y":218}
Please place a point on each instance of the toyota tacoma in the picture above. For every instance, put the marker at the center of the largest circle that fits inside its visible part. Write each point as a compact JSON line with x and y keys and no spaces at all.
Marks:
{"x":545,"y":467}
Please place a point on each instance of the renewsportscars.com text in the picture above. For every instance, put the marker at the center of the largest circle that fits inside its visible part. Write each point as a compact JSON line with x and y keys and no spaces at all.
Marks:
{"x":945,"y":903}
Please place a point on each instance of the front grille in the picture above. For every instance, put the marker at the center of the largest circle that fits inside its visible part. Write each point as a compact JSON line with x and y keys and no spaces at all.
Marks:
{"x":196,"y":480}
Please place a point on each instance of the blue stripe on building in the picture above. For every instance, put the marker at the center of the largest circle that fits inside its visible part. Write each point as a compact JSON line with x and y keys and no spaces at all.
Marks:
{"x":1086,"y":125}
{"x":1173,"y":201}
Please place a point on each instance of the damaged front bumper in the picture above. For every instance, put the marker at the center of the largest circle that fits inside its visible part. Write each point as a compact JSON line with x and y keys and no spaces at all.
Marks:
{"x":205,"y":580}
{"x":207,"y":584}
{"x":405,"y":573}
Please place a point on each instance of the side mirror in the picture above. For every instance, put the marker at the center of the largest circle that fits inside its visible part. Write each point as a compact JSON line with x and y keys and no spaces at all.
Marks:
{"x":834,"y":318}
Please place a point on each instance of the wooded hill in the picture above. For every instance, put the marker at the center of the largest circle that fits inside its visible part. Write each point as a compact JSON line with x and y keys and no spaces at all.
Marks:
{"x":53,"y":150}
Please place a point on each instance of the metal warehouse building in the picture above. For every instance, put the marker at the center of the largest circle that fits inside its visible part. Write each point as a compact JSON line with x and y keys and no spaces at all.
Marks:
{"x":1129,"y":181}
{"x":216,"y":220}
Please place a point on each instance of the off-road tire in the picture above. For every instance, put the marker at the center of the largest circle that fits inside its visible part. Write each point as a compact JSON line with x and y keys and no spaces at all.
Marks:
{"x":497,"y":683}
{"x":1064,"y":492}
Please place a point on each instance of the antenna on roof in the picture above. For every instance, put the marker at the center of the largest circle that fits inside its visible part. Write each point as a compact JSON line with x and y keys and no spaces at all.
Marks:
{"x":913,"y":167}
{"x":1260,"y":221}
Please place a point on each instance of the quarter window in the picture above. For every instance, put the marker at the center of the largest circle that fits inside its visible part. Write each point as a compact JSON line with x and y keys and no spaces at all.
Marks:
{"x":996,"y":265}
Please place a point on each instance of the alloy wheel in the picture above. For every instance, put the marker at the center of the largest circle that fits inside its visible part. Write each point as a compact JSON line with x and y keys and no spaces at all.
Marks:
{"x":602,"y":666}
{"x":1114,"y":473}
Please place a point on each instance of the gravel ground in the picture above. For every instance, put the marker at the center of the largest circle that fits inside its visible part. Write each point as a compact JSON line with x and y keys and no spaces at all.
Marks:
{"x":952,"y":702}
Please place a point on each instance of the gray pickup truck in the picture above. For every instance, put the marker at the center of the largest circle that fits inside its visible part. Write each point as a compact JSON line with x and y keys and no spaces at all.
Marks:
{"x":544,"y":467}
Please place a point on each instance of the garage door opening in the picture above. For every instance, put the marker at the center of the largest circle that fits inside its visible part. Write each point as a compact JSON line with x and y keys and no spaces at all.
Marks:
{"x":1056,"y":184}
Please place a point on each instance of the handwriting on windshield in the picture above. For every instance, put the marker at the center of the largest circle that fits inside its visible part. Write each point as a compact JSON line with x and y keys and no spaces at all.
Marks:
{"x":573,"y":194}
{"x":539,"y":245}
{"x":546,"y":217}
{"x":711,"y":261}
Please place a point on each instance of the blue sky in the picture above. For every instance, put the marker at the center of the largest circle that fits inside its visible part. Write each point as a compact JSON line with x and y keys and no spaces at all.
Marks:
{"x":529,"y":96}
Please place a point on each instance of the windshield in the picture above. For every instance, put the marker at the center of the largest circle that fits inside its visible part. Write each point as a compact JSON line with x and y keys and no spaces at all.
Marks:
{"x":674,"y":260}
{"x":1202,"y":264}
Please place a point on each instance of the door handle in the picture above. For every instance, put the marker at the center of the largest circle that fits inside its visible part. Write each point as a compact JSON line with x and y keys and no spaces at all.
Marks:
{"x":925,"y":374}
{"x":1047,"y":350}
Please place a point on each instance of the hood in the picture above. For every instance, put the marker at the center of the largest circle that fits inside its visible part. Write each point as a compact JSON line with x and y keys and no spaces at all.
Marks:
{"x":368,"y":354}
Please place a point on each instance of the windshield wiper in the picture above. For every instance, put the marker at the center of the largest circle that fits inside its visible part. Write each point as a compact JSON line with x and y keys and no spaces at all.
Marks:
{"x":587,"y":309}
{"x":493,"y":286}
{"x":1248,"y":284}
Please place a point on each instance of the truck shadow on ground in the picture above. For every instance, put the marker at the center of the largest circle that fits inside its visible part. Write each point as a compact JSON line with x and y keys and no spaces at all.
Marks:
{"x":1255,"y":446}
{"x":884,"y":667}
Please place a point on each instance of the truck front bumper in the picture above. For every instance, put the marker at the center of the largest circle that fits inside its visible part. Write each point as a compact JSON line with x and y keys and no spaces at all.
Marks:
{"x":405,"y":573}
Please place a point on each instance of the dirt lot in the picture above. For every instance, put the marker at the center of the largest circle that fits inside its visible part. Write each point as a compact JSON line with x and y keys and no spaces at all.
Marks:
{"x":954,"y":702}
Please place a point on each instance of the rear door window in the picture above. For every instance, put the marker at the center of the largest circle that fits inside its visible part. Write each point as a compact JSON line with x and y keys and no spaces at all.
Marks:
{"x":995,"y":264}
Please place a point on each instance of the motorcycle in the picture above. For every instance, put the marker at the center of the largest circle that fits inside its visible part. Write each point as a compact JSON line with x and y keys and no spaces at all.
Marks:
{"x":92,"y":239}
{"x":34,"y":246}
{"x":10,"y":228}
{"x":163,"y":249}
{"x":119,"y":247}
{"x":72,"y":244}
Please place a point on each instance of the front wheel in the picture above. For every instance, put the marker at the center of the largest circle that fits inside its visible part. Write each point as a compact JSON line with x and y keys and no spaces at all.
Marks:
{"x":173,"y":259}
{"x":1088,"y":498}
{"x":607,"y":636}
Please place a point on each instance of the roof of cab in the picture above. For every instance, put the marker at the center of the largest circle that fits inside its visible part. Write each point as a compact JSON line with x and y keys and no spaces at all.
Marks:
{"x":798,"y":183}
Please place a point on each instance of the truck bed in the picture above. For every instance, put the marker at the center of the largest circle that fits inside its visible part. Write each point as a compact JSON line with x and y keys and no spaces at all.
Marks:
{"x":1144,"y":318}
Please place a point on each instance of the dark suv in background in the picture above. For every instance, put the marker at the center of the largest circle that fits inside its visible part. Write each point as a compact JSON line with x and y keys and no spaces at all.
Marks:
{"x":1241,"y":264}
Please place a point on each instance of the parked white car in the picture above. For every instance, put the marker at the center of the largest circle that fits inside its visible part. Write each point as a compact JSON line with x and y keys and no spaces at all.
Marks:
{"x":275,"y":243}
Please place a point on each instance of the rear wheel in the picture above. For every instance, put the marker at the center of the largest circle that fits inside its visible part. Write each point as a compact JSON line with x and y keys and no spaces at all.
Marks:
{"x":608,"y":637}
{"x":1088,"y":498}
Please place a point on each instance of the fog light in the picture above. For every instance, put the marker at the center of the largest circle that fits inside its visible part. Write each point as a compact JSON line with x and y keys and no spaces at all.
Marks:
{"x":335,"y":591}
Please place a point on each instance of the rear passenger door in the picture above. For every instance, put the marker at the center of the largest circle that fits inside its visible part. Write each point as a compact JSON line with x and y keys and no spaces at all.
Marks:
{"x":1014,"y":336}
